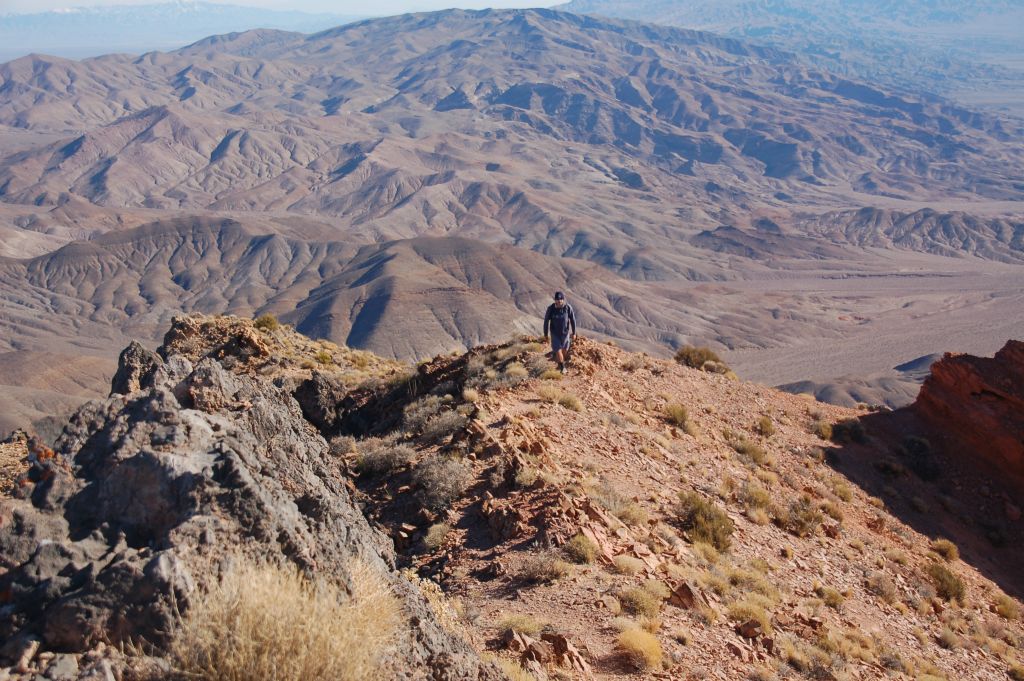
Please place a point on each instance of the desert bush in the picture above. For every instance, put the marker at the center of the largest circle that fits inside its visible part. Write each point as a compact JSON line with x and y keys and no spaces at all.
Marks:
{"x":544,"y":569}
{"x":706,"y":552}
{"x":947,"y":584}
{"x":441,"y":481}
{"x":416,"y":415}
{"x":696,"y":357}
{"x":444,"y":424}
{"x":470,"y":395}
{"x":841,"y":489}
{"x":750,"y":609}
{"x":946,"y":549}
{"x":832,"y":510}
{"x":802,"y":518}
{"x":755,"y":495}
{"x":751,"y":450}
{"x":549,"y":393}
{"x":764,"y":426}
{"x":436,"y":535}
{"x":704,"y":521}
{"x":263,"y":621}
{"x":829,"y":596}
{"x":948,"y":639}
{"x":627,"y":565}
{"x":516,"y":372}
{"x":641,"y":648}
{"x":918,"y":453}
{"x":342,"y":445}
{"x":324,"y":357}
{"x":381,"y":456}
{"x":570,"y":401}
{"x":1006,"y":607}
{"x":676,"y":414}
{"x":639,"y":601}
{"x":524,"y":624}
{"x":633,"y":514}
{"x":513,"y":670}
{"x":267,"y":322}
{"x":1015,"y":672}
{"x":847,"y":431}
{"x":823,"y":429}
{"x":633,"y":362}
{"x":580,"y":549}
{"x":550,"y":375}
{"x":881,"y":585}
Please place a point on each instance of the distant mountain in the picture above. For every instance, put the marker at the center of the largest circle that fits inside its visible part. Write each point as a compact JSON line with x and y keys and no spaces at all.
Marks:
{"x":90,"y":31}
{"x":971,"y":51}
{"x":423,"y":183}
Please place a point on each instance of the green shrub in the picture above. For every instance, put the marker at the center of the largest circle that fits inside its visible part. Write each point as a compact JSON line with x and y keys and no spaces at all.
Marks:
{"x":441,"y":481}
{"x":267,"y":322}
{"x":696,"y":357}
{"x":704,"y":521}
{"x":581,"y":549}
{"x":947,"y":584}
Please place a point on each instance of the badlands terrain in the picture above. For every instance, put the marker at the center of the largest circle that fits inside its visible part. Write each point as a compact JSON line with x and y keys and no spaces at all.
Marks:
{"x":421,"y":184}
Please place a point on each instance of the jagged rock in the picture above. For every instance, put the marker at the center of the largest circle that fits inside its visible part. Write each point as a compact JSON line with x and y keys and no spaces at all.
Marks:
{"x":135,"y":369}
{"x":686,"y":596}
{"x":749,"y":629}
{"x":504,"y":519}
{"x":565,"y":653}
{"x":150,"y":489}
{"x":320,"y":397}
{"x":978,"y":403}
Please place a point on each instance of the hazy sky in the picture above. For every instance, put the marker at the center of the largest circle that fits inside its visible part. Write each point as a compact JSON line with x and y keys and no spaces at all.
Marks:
{"x":378,"y":7}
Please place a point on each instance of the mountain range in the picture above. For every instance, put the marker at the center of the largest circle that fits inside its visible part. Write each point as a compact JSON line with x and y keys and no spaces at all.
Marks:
{"x":79,"y":32}
{"x":967,"y":51}
{"x":420,"y":184}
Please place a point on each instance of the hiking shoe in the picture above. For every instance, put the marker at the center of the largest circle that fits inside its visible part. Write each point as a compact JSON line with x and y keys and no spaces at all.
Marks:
{"x":561,"y":367}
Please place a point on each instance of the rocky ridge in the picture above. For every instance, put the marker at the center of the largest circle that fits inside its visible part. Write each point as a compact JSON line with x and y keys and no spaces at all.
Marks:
{"x":557,"y":514}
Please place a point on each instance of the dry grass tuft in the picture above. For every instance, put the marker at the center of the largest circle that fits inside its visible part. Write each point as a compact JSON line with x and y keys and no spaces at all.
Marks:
{"x":704,"y":521}
{"x":436,"y":535}
{"x":946,"y":549}
{"x":267,"y":322}
{"x":524,"y":624}
{"x":676,"y":414}
{"x":641,"y":648}
{"x":641,"y":602}
{"x":947,"y":584}
{"x":268,"y":622}
{"x":627,"y":565}
{"x":580,"y":549}
{"x":696,"y":357}
{"x":544,"y":569}
{"x":1006,"y":607}
{"x":441,"y":481}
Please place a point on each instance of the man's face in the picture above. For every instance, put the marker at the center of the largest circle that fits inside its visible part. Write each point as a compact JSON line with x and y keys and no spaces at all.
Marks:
{"x":560,"y":302}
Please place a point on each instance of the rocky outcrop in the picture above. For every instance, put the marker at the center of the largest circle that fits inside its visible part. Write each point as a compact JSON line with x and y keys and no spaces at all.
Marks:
{"x":978,"y":403}
{"x":153,"y":490}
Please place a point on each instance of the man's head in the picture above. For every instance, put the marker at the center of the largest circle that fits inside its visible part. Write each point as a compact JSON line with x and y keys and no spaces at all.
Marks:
{"x":559,"y":298}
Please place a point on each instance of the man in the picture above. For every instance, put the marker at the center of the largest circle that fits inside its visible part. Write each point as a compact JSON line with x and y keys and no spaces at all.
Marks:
{"x":562,"y":322}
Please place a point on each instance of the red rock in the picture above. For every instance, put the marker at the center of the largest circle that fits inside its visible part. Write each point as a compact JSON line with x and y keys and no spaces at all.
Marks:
{"x":978,"y":402}
{"x":749,"y":629}
{"x":686,"y":596}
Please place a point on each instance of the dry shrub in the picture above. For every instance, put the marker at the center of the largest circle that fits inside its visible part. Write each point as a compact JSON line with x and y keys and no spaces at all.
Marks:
{"x":946,"y":549}
{"x":753,"y":451}
{"x":514,"y":671}
{"x":470,"y":395}
{"x":948,"y":585}
{"x":1006,"y":607}
{"x":881,"y":585}
{"x":627,"y":565}
{"x":633,"y":362}
{"x":570,"y":401}
{"x":676,"y":414}
{"x":524,"y":624}
{"x":841,"y":489}
{"x":764,"y":426}
{"x":441,"y":481}
{"x":748,"y":609}
{"x":268,"y":622}
{"x":444,"y":424}
{"x":847,"y":431}
{"x":580,"y":549}
{"x":416,"y":415}
{"x":802,"y":518}
{"x":381,"y":456}
{"x":549,"y":393}
{"x":267,"y":322}
{"x":696,"y":357}
{"x":704,"y":521}
{"x":823,"y":429}
{"x":544,"y":569}
{"x":435,"y":536}
{"x":641,"y":648}
{"x":831,"y":597}
{"x":342,"y":445}
{"x":755,"y":495}
{"x":324,"y":357}
{"x":1016,"y":672}
{"x":706,"y":552}
{"x":640,"y":601}
{"x":550,"y":375}
{"x":633,"y":514}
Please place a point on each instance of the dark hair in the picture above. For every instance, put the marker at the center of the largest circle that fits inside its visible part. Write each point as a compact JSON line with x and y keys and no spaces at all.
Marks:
{"x":559,"y":295}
